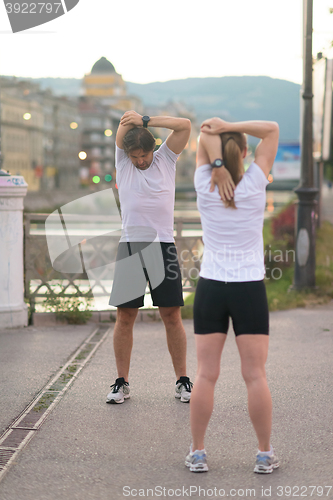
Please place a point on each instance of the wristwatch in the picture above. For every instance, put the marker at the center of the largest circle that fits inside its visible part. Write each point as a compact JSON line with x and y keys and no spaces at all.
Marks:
{"x":145,"y":120}
{"x":217,"y":163}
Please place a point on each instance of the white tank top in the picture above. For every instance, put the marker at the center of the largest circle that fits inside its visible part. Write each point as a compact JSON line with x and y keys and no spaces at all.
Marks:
{"x":233,"y":241}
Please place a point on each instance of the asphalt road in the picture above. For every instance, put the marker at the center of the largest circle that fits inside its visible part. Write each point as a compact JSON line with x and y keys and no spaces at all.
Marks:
{"x":87,"y":449}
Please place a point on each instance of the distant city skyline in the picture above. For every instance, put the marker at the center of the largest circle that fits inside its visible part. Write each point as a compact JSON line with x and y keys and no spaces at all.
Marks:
{"x":148,"y":41}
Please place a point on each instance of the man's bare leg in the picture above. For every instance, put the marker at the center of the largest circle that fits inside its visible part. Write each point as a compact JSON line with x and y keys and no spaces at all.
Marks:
{"x":176,"y":338}
{"x":123,"y":339}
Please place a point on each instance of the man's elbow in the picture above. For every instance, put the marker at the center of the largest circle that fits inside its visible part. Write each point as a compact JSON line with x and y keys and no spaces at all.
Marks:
{"x":186,"y":124}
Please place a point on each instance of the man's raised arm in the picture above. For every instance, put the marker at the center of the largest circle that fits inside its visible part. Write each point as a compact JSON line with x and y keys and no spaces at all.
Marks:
{"x":177,"y":140}
{"x":126,"y":123}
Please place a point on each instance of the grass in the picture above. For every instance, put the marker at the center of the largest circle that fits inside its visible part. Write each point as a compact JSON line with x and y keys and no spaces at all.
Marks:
{"x":279,"y":295}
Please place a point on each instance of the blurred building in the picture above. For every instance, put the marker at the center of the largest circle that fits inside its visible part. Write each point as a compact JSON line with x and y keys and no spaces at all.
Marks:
{"x":41,"y":137}
{"x":98,"y":125}
{"x":22,"y":136}
{"x":104,"y":83}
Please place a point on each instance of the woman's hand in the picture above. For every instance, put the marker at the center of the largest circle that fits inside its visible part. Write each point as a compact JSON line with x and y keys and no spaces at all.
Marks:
{"x":215,"y":126}
{"x":223,"y":180}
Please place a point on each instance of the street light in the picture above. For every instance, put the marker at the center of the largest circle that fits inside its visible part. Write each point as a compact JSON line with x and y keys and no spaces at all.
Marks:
{"x":305,"y":265}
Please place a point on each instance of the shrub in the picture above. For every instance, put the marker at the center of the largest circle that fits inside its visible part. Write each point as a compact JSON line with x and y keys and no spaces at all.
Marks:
{"x":72,"y":308}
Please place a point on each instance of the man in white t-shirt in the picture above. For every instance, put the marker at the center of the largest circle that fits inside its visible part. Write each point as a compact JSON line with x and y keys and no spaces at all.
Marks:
{"x":147,"y":252}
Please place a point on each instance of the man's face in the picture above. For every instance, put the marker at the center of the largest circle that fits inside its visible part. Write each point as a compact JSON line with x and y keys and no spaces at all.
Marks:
{"x":141,"y":159}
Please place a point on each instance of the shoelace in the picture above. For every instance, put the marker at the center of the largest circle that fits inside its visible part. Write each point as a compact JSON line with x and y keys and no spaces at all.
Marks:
{"x":188,"y":385}
{"x":117,"y":385}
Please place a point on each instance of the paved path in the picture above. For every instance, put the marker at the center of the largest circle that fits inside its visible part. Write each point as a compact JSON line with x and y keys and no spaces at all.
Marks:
{"x":87,"y":449}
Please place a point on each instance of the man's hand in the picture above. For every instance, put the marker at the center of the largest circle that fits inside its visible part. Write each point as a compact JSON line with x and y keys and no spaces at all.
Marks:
{"x":131,"y":118}
{"x":215,"y":126}
{"x":223,"y":180}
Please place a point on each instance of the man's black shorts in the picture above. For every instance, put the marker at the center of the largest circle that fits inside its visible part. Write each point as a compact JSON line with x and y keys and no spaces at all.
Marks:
{"x":244,"y":302}
{"x":168,"y":293}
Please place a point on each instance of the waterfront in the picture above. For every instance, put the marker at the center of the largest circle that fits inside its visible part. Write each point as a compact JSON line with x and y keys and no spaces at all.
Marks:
{"x":79,"y":230}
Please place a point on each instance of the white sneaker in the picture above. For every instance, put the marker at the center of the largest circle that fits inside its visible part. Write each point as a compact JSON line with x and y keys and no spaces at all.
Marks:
{"x":196,"y":461}
{"x":183,"y":389}
{"x":266,"y":463}
{"x":120,"y":391}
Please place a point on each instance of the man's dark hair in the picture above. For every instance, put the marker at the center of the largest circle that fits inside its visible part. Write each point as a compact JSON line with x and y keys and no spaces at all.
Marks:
{"x":138,"y":138}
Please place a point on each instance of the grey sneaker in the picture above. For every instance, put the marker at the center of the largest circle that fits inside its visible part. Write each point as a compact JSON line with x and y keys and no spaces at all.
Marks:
{"x":120,"y":391}
{"x":183,"y":389}
{"x":196,"y":461}
{"x":265,"y":464}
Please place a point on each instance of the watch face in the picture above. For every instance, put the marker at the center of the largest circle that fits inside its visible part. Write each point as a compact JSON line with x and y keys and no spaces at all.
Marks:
{"x":217,"y":163}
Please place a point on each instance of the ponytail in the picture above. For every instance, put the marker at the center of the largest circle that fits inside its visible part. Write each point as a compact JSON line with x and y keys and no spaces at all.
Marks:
{"x":233,"y":145}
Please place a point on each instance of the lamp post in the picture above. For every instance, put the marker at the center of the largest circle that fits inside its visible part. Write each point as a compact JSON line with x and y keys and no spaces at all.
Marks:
{"x":305,"y":265}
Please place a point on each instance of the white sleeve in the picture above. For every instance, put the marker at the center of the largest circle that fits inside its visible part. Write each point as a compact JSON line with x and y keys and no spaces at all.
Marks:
{"x":167,"y":155}
{"x":121,"y":158}
{"x":259,"y":179}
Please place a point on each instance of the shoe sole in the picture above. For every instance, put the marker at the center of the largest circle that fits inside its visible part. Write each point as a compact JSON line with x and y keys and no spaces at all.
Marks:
{"x":197,"y":468}
{"x":183,"y":400}
{"x":261,"y":469}
{"x":115,"y":401}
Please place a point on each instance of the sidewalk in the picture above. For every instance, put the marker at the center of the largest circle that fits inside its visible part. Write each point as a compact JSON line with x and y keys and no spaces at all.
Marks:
{"x":86,"y":449}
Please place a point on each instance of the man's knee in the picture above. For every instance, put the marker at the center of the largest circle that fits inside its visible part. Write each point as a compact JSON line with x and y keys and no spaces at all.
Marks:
{"x":126,"y":315}
{"x":170,"y":315}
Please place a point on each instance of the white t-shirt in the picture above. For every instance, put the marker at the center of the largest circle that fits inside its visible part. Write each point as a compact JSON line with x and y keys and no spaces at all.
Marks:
{"x":232,"y":238}
{"x":147,"y":197}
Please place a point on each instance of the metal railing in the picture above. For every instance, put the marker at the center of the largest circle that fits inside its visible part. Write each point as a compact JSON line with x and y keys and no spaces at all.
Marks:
{"x":41,"y":279}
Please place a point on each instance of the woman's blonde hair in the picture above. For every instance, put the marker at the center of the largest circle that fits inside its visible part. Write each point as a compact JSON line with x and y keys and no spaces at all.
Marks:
{"x":233,"y":146}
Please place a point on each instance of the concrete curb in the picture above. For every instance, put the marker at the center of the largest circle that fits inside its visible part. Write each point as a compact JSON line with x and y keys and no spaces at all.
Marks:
{"x":50,"y":318}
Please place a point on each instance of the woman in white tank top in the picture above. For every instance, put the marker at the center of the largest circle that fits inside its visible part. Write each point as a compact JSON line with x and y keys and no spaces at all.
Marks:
{"x":231,"y":282}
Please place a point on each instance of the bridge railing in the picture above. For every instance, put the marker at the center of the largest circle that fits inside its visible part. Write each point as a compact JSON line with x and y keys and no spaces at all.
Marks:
{"x":42,"y":279}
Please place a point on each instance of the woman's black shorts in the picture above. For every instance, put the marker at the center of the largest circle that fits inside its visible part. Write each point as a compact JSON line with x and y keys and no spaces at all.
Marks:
{"x":244,"y":302}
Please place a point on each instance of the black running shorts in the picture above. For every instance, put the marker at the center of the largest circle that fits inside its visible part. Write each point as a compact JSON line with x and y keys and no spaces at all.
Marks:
{"x":168,"y":293}
{"x":244,"y":302}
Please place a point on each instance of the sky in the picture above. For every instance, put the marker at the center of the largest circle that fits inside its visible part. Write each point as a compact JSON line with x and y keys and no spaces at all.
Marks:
{"x":151,"y":40}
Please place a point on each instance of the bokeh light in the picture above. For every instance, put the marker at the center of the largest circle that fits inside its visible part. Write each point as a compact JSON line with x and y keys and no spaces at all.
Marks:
{"x":96,"y":179}
{"x":73,"y":125}
{"x":108,"y":132}
{"x":26,"y":116}
{"x":108,"y":178}
{"x":158,"y":141}
{"x":82,"y":155}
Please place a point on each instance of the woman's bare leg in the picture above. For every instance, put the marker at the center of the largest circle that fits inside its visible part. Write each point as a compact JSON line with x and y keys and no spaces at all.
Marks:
{"x":253,"y":350}
{"x":209,"y":351}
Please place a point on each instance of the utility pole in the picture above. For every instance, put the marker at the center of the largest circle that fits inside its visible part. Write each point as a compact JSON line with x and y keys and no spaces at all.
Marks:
{"x":305,"y":265}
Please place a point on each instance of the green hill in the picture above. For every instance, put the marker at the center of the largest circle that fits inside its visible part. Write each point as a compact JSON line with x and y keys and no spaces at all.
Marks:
{"x":233,"y":98}
{"x":230,"y":97}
